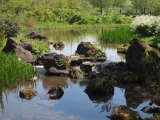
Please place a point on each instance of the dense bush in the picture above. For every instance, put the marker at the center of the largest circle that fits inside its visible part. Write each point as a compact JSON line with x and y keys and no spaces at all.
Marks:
{"x":79,"y":19}
{"x":146,"y":25}
{"x":9,"y":28}
{"x":99,"y":19}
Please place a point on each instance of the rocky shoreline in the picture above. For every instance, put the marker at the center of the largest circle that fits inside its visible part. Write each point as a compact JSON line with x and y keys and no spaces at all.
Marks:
{"x":89,"y":61}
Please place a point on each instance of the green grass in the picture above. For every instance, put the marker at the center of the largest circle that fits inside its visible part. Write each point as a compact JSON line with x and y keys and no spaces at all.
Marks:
{"x":38,"y":46}
{"x":51,"y":25}
{"x":118,"y":35}
{"x":12,"y":69}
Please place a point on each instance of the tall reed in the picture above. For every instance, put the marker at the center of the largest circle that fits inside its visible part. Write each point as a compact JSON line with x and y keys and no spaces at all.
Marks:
{"x":118,"y":35}
{"x":12,"y":69}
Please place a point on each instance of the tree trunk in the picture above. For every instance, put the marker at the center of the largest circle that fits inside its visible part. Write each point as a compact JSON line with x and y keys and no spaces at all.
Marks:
{"x":101,"y":7}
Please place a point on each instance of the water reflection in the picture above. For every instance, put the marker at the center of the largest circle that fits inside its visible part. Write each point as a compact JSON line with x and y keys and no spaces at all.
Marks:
{"x":14,"y":88}
{"x":75,"y":104}
{"x":72,"y":38}
{"x":54,"y":81}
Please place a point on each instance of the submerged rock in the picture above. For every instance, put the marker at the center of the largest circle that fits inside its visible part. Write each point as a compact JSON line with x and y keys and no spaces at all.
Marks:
{"x":124,"y":113}
{"x":27,"y":93}
{"x":99,"y":86}
{"x":55,"y":93}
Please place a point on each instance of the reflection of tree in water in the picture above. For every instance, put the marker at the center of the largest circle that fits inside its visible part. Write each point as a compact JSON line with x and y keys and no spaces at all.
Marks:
{"x":1,"y":103}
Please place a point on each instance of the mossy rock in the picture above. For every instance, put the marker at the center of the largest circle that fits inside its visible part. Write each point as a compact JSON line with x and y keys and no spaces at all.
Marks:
{"x":88,"y":50}
{"x":122,"y":49}
{"x":138,"y":53}
{"x":95,"y":53}
{"x":149,"y":68}
{"x":127,"y":77}
{"x":99,"y":86}
{"x":27,"y":93}
{"x":124,"y":113}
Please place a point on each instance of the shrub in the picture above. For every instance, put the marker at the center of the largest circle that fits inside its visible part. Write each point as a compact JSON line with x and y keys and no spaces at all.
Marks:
{"x":10,"y":28}
{"x":146,"y":25}
{"x":79,"y":19}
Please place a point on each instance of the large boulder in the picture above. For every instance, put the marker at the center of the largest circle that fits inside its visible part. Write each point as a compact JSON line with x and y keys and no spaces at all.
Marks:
{"x":87,"y":49}
{"x":124,"y":113}
{"x":13,"y":47}
{"x":26,"y":45}
{"x":27,"y":93}
{"x":137,"y":54}
{"x":58,"y":61}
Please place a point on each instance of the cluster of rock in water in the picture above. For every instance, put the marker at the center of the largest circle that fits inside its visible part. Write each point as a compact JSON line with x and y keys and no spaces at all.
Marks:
{"x":89,"y":61}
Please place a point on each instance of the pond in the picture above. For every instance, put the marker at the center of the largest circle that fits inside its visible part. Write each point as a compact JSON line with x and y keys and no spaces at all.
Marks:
{"x":75,"y":104}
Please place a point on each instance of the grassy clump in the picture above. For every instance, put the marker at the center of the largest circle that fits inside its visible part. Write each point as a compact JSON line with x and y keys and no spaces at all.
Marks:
{"x":118,"y":35}
{"x":12,"y":69}
{"x":39,"y":46}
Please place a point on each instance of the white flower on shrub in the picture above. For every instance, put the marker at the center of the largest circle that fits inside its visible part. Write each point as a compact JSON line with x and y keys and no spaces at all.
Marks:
{"x":147,"y":23}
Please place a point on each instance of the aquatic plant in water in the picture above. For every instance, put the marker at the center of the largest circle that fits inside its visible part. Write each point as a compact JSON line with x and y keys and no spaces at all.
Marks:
{"x":120,"y":35}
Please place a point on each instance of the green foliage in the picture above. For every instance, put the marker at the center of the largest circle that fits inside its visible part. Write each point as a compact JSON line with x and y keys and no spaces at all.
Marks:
{"x":61,"y":63}
{"x":145,"y":30}
{"x":146,"y":25}
{"x":152,"y":69}
{"x":9,"y":28}
{"x":39,"y":46}
{"x":120,"y":35}
{"x":80,"y":19}
{"x":12,"y":70}
{"x":41,"y":13}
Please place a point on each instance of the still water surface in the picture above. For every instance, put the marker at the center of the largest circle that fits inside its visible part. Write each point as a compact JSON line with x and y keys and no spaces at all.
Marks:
{"x":75,"y":104}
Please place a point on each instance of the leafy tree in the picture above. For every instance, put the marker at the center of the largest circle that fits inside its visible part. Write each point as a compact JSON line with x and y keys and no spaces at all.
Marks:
{"x":144,"y":6}
{"x":101,"y":4}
